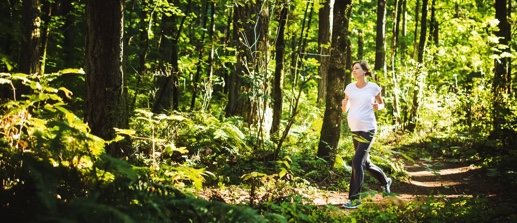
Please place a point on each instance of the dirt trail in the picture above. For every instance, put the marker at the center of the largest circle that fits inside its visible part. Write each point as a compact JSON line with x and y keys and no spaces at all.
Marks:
{"x":450,"y":179}
{"x":425,"y":177}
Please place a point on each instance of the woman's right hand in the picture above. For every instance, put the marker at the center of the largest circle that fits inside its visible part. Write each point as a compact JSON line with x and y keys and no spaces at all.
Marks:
{"x":344,"y":103}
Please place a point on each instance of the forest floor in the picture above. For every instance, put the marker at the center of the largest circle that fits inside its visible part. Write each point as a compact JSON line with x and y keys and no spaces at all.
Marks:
{"x":425,"y":178}
{"x":449,"y":179}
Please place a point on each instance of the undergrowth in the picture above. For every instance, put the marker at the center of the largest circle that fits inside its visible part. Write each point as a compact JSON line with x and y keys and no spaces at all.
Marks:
{"x":54,"y":170}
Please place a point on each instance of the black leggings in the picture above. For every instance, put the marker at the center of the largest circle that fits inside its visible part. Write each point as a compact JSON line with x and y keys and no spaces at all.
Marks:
{"x":362,"y":143}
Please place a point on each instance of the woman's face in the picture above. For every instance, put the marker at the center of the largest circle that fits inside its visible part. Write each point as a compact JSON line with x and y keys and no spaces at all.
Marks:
{"x":357,"y":71}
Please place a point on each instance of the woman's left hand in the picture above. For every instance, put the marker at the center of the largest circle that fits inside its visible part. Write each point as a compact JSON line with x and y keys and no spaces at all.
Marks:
{"x":377,"y":107}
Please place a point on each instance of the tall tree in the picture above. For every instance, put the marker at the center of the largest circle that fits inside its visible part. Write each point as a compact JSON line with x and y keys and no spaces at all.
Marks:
{"x":380,"y":39}
{"x":331,"y":128}
{"x":403,"y":12}
{"x":45,"y":32}
{"x":415,"y":39}
{"x":411,"y":121}
{"x":200,"y":49}
{"x":69,"y":34}
{"x":238,"y":104}
{"x":324,"y":35}
{"x":423,"y":32}
{"x":360,"y":44}
{"x":143,"y":36}
{"x":502,"y":78}
{"x":167,"y":96}
{"x":433,"y":24}
{"x":30,"y":54}
{"x":279,"y":69}
{"x":394,"y":43}
{"x":106,"y":106}
{"x":249,"y":81}
{"x":209,"y":85}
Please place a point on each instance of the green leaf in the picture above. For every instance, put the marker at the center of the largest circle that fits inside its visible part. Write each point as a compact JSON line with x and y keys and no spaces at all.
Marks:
{"x":282,"y":173}
{"x":67,"y":92}
{"x":5,"y":81}
{"x":338,"y":164}
{"x":129,"y":132}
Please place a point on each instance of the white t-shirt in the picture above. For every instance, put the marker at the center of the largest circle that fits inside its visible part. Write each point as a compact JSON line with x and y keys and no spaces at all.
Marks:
{"x":361,"y":116}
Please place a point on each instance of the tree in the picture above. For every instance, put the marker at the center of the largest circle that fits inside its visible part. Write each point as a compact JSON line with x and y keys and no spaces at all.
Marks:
{"x":331,"y":128}
{"x":249,"y":80}
{"x":29,"y":60}
{"x":167,"y":96}
{"x":200,"y":49}
{"x":380,"y":40}
{"x":106,"y":106}
{"x":45,"y":31}
{"x":394,"y":42}
{"x":433,"y":24}
{"x":411,"y":121}
{"x":324,"y":36}
{"x":236,"y":105}
{"x":69,"y":34}
{"x":279,"y":68}
{"x":423,"y":32}
{"x":143,"y":37}
{"x":502,"y":78}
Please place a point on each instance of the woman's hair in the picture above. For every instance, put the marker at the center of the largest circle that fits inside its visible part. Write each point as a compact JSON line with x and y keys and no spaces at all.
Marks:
{"x":364,"y":65}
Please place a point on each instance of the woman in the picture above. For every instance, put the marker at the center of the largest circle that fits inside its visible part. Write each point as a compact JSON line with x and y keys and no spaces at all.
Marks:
{"x":362,"y":98}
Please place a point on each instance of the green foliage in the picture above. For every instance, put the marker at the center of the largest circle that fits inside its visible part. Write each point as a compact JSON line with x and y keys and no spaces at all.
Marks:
{"x":54,"y":170}
{"x":296,"y":211}
{"x":430,"y":209}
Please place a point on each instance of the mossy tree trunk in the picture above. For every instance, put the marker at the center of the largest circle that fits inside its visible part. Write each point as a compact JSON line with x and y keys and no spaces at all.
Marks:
{"x":106,"y":102}
{"x":331,"y":127}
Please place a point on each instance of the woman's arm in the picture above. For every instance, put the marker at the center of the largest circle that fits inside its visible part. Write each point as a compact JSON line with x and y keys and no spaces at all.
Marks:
{"x":379,"y":103}
{"x":345,"y":104}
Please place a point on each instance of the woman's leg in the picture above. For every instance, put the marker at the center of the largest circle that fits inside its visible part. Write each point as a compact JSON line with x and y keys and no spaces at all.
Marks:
{"x":361,"y":161}
{"x":375,"y":171}
{"x":361,"y":141}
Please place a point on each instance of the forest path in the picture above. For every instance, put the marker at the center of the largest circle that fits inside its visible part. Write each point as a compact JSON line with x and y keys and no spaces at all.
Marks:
{"x":427,"y":177}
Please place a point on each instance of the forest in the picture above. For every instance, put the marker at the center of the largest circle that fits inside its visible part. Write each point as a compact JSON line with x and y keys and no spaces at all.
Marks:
{"x":230,"y":110}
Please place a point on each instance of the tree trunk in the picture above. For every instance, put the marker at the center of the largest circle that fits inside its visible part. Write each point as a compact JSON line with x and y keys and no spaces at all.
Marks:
{"x":380,"y":40}
{"x":394,"y":43}
{"x":200,"y":47}
{"x":360,"y":45}
{"x":226,"y":52}
{"x":237,"y":103}
{"x":331,"y":127}
{"x":412,"y":122}
{"x":415,"y":40}
{"x":209,"y":88}
{"x":261,"y":104}
{"x":106,"y":106}
{"x":69,"y":34}
{"x":167,"y":83}
{"x":423,"y":32}
{"x":348,"y":64}
{"x":433,"y":24}
{"x":304,"y":36}
{"x":143,"y":37}
{"x":501,"y":84}
{"x":324,"y":52}
{"x":47,"y":15}
{"x":298,"y":44}
{"x":30,"y":57}
{"x":279,"y":68}
{"x":403,"y":45}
